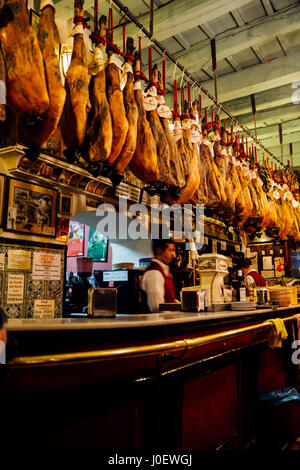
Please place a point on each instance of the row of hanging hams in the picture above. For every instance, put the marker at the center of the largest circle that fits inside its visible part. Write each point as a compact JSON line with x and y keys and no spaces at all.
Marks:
{"x":113,"y":122}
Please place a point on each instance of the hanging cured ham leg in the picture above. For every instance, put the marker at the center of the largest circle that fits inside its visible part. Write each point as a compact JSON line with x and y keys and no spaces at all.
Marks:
{"x":188,"y":153}
{"x":27,"y":94}
{"x":200,"y":195}
{"x":2,"y":88}
{"x":98,"y":139}
{"x":49,"y":44}
{"x":144,"y":162}
{"x":116,"y":105}
{"x":77,"y":104}
{"x":176,"y":165}
{"x":131,"y":110}
{"x":162,"y":147}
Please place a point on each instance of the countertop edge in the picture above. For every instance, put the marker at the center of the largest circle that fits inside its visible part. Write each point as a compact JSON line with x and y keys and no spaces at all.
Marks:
{"x":134,"y":321}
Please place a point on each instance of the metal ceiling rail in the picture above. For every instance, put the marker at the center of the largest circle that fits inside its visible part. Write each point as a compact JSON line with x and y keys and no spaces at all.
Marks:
{"x":166,"y":53}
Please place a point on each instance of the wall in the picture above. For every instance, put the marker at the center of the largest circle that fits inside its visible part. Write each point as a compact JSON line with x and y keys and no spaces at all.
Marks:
{"x":130,"y":251}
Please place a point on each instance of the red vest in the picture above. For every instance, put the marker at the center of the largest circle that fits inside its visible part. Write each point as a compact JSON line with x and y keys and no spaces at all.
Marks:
{"x":170,"y":294}
{"x":258,"y":279}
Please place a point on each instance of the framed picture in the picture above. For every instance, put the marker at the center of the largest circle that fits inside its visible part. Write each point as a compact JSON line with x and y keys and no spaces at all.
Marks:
{"x":34,"y":19}
{"x":30,"y":208}
{"x":65,"y":204}
{"x":2,"y":196}
{"x":76,"y":239}
{"x":97,"y":246}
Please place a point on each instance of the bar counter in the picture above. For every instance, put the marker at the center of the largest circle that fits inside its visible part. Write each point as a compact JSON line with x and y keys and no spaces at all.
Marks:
{"x":132,"y":321}
{"x":169,"y":380}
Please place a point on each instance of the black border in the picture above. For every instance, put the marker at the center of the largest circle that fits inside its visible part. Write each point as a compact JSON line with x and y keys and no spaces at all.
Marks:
{"x":2,"y":209}
{"x":61,"y":195}
{"x":8,"y":179}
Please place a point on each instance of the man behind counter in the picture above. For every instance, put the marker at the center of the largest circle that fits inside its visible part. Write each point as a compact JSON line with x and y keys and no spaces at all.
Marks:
{"x":157,"y":282}
{"x":251,"y":277}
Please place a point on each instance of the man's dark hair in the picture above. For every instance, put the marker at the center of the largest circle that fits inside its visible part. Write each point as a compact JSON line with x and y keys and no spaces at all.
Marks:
{"x":161,"y":243}
{"x":3,"y":318}
{"x":245,"y":263}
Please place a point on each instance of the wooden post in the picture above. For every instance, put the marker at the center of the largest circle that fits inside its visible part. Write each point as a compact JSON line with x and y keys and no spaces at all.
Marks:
{"x":292,"y":155}
{"x":280,"y":140}
{"x":214,"y":65}
{"x":254,"y":113}
{"x":151,"y":17}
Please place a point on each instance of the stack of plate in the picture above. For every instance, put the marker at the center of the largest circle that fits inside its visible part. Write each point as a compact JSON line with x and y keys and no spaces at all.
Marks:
{"x":280,"y":295}
{"x":243,"y":305}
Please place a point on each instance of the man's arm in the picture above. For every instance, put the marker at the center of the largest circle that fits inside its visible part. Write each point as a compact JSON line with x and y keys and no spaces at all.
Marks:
{"x":249,"y":282}
{"x":153,"y":284}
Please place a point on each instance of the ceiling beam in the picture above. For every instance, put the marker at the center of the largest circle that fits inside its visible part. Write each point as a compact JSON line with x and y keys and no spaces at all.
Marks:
{"x":179,"y":16}
{"x":286,"y":148}
{"x":273,"y":141}
{"x":234,"y":41}
{"x":257,"y":78}
{"x":265,"y":100}
{"x":270,"y":117}
{"x":270,"y":131}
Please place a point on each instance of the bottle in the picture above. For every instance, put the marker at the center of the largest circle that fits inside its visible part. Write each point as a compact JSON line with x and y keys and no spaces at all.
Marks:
{"x":240,"y":289}
{"x":249,"y":294}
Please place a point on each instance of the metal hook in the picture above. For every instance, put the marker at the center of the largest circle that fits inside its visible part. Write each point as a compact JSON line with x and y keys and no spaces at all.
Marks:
{"x":181,"y":81}
{"x":138,"y":33}
{"x":151,"y":40}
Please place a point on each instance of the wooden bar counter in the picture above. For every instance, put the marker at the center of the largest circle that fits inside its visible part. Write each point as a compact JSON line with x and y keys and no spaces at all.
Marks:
{"x":143,"y":382}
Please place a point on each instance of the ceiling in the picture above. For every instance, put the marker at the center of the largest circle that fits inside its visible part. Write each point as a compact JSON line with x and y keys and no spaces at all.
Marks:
{"x":258,"y":52}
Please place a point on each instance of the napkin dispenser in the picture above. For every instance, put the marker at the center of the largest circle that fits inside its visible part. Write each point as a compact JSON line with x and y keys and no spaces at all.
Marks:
{"x":193,"y":299}
{"x":102,"y":302}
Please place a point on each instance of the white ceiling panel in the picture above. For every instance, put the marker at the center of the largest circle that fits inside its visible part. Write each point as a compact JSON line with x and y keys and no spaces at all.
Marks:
{"x":252,"y":11}
{"x":280,"y":4}
{"x":246,"y":59}
{"x":271,"y":49}
{"x":194,"y":36}
{"x":222,"y":24}
{"x":172,"y":45}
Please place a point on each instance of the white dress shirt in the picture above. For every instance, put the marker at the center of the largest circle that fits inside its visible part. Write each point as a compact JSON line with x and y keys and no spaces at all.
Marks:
{"x":153,"y":283}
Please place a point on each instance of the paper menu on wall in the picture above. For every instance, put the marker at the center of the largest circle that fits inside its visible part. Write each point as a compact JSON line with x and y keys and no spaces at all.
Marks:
{"x":15,"y":289}
{"x":18,"y":260}
{"x":46,"y":266}
{"x":43,"y":308}
{"x":267,"y":263}
{"x":2,"y":260}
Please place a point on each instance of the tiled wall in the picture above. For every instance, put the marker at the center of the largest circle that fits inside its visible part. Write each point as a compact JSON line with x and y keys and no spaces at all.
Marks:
{"x":33,"y":289}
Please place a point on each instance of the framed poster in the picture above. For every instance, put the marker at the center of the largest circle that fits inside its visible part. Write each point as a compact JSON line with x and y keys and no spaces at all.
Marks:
{"x":76,"y":239}
{"x":97,"y":246}
{"x":30,"y":208}
{"x":2,"y":196}
{"x":65,"y":204}
{"x":279,"y":266}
